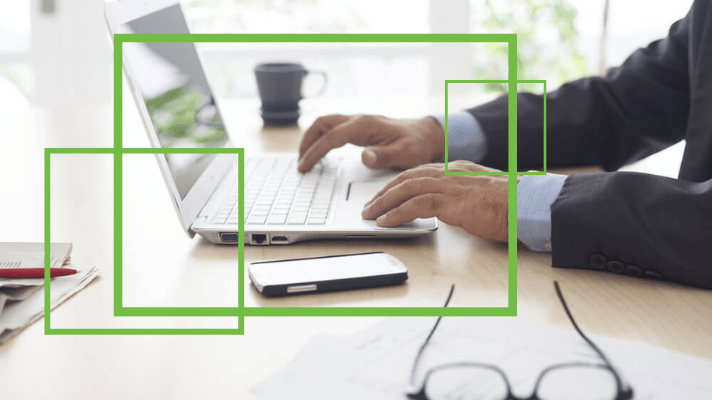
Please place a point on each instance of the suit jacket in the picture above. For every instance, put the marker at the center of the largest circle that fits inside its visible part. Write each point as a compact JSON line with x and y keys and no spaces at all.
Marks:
{"x":625,"y":222}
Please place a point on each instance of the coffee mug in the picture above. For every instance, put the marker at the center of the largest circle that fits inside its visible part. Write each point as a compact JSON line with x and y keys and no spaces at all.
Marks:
{"x":280,"y":88}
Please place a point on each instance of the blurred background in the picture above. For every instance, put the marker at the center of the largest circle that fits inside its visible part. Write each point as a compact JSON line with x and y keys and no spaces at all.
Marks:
{"x":58,"y":52}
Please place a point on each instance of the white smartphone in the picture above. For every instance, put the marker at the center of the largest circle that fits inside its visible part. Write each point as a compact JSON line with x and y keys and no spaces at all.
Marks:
{"x":325,"y":274}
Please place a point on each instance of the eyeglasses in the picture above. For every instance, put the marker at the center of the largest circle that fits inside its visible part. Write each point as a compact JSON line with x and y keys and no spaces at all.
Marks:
{"x":480,"y":381}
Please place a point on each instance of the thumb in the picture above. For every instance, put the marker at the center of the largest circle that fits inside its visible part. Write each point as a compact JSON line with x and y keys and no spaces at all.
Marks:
{"x":378,"y":157}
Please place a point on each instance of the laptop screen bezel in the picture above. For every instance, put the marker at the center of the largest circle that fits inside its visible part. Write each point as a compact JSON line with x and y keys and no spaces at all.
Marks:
{"x":190,"y":206}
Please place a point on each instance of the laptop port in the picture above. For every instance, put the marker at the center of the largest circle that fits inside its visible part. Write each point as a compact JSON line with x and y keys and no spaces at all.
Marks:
{"x":279,"y":240}
{"x":229,"y":237}
{"x":259,"y":238}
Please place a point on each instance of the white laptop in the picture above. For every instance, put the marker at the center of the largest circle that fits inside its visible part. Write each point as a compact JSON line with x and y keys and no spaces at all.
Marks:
{"x":179,"y":110}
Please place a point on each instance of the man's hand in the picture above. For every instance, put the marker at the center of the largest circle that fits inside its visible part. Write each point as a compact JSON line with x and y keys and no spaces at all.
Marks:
{"x":477,"y":203}
{"x":390,"y":143}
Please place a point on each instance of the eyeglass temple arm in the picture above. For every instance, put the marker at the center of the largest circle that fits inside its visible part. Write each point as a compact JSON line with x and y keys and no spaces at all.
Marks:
{"x":573,"y":322}
{"x":427,"y":340}
{"x":589,"y":341}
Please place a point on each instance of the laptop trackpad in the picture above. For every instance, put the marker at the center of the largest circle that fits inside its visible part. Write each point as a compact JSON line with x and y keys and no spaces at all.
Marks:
{"x":362,"y":191}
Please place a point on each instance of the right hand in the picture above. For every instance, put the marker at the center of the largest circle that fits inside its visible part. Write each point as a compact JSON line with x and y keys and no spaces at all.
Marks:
{"x":390,"y":143}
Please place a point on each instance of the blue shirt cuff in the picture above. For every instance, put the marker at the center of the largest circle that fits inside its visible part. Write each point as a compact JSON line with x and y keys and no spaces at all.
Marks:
{"x":535,"y":195}
{"x":466,"y":140}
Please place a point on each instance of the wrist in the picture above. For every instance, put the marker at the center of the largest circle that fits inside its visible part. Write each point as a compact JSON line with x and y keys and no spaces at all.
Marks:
{"x":435,"y":137}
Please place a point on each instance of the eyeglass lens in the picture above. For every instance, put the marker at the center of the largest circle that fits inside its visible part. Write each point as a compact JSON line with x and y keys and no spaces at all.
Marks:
{"x":574,"y":382}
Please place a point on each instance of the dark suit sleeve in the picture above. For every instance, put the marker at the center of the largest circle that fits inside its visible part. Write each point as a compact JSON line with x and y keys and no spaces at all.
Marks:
{"x":623,"y":222}
{"x":638,"y":109}
{"x":650,"y":225}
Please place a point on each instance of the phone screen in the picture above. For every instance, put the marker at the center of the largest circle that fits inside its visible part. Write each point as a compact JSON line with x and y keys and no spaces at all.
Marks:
{"x":325,"y":269}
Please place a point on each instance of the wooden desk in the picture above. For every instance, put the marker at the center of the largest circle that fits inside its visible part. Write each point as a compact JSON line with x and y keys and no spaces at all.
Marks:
{"x":162,"y":267}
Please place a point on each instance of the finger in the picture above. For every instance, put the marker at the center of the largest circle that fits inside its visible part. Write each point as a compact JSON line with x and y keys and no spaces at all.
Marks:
{"x":401,"y":193}
{"x":318,"y":128}
{"x":388,"y":156}
{"x":423,"y":206}
{"x":427,"y":170}
{"x":380,"y":156}
{"x":336,"y":137}
{"x":360,"y":130}
{"x":422,"y":171}
{"x":467,"y":166}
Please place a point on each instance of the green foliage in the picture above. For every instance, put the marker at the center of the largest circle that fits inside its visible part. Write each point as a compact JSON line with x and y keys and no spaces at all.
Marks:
{"x":530,"y":20}
{"x":14,"y":78}
{"x":174,"y":115}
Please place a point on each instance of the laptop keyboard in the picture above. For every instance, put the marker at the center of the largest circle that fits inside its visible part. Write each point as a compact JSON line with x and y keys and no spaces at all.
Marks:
{"x":276,"y":194}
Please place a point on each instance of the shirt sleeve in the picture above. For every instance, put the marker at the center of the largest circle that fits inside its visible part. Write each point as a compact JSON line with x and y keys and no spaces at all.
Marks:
{"x":466,"y":141}
{"x":535,"y":195}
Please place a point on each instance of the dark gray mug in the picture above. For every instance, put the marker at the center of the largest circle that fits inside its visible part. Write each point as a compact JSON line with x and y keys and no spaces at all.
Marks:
{"x":280,"y":88}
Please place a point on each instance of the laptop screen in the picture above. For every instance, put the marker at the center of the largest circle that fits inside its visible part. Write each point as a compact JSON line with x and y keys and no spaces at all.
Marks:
{"x":176,"y":93}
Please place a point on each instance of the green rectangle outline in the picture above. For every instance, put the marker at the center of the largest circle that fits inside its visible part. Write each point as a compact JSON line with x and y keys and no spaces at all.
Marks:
{"x":178,"y":311}
{"x":511,"y":172}
{"x":119,"y":39}
{"x":510,"y":39}
{"x":447,"y":172}
{"x":119,"y":309}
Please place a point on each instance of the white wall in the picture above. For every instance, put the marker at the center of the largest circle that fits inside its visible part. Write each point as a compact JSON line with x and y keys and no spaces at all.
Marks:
{"x":71,"y":53}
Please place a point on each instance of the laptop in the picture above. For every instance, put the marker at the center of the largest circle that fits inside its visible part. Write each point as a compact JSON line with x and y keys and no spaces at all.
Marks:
{"x":179,"y":110}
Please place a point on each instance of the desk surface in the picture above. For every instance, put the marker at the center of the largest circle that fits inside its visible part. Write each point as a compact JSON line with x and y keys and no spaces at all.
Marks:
{"x":163,"y":267}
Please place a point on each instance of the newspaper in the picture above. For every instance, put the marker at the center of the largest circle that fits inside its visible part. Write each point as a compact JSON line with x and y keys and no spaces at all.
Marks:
{"x":19,"y":314}
{"x":30,"y":255}
{"x":27,"y":255}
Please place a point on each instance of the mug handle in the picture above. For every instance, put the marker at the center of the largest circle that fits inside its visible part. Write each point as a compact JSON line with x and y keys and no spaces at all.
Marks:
{"x":323,"y":86}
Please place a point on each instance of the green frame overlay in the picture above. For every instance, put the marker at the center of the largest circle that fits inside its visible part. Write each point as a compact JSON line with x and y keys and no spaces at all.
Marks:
{"x":511,"y":137}
{"x":119,"y":310}
{"x":241,"y":311}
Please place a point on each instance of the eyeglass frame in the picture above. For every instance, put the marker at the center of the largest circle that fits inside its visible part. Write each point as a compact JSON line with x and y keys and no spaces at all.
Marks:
{"x":624,"y":390}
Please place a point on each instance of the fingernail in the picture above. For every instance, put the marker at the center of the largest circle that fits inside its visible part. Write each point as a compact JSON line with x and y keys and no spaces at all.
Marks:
{"x":381,"y":219}
{"x":369,"y":157}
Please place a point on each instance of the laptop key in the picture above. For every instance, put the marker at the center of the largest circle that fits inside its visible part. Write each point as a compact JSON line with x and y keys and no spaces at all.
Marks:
{"x":256,"y":220}
{"x":297,"y":218}
{"x":276,"y":219}
{"x":276,"y":194}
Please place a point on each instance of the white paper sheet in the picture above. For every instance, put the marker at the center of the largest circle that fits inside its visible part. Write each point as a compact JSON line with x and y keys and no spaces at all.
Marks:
{"x":376,"y":363}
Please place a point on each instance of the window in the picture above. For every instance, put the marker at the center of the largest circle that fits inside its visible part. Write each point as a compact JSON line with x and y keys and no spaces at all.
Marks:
{"x":40,"y":59}
{"x":15,"y":70}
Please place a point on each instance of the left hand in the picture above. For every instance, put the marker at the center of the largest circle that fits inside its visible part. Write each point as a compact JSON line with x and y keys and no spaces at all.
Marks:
{"x":477,"y":203}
